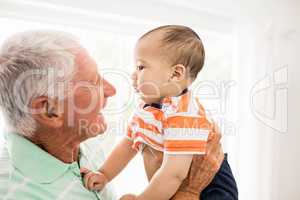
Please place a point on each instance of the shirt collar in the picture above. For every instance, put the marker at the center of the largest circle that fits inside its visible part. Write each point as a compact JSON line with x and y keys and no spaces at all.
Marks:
{"x":159,"y":105}
{"x":34,"y":162}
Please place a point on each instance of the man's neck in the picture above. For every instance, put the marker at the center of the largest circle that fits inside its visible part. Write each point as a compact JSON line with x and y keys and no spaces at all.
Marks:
{"x":62,"y":146}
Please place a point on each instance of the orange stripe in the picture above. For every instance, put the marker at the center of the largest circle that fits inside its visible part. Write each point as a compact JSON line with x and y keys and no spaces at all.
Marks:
{"x":201,"y":108}
{"x":129,"y":132}
{"x":158,"y":114}
{"x":147,"y":139}
{"x":186,"y":150}
{"x":187,"y":122}
{"x":142,"y":124}
{"x":136,"y":145}
{"x":184,"y":103}
{"x":185,"y":145}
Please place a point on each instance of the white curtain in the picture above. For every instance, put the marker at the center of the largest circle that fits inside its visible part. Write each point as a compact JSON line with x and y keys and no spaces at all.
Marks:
{"x":266,"y":68}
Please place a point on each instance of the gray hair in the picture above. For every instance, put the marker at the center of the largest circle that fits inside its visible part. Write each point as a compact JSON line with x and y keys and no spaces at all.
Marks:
{"x":32,"y":64}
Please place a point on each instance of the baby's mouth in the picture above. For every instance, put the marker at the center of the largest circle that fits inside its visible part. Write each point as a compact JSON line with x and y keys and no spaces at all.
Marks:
{"x":135,"y":87}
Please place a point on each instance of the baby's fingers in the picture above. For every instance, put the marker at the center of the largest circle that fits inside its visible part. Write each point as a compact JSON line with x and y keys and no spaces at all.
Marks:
{"x":98,"y":186}
{"x":86,"y":180}
{"x":84,"y":170}
{"x":96,"y":182}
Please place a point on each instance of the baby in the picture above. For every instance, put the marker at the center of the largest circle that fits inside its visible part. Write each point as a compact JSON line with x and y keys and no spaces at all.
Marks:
{"x":169,"y":119}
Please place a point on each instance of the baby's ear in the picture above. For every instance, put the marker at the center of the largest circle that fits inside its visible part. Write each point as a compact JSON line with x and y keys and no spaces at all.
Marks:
{"x":178,"y":72}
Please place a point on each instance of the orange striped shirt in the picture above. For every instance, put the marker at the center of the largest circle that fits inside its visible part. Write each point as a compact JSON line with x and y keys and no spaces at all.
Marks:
{"x":180,"y":126}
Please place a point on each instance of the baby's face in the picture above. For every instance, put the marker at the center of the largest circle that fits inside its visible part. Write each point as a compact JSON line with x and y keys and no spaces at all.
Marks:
{"x":152,"y":71}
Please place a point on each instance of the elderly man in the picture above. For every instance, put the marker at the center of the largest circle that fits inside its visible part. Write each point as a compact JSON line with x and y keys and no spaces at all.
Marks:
{"x":51,"y":95}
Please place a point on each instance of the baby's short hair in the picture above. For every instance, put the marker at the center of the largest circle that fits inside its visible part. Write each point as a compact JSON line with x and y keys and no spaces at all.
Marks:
{"x":186,"y":47}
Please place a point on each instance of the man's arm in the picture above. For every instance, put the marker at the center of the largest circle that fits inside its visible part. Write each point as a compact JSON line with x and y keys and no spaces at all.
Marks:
{"x":203,"y":169}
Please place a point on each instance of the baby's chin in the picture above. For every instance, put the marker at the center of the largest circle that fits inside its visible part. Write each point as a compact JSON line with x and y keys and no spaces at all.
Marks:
{"x":150,"y":100}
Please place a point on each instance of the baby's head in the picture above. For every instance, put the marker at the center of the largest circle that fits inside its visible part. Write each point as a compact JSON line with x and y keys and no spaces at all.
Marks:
{"x":167,"y":60}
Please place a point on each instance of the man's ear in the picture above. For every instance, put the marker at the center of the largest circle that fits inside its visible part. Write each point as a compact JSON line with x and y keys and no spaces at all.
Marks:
{"x":47,"y":111}
{"x":178,"y":73}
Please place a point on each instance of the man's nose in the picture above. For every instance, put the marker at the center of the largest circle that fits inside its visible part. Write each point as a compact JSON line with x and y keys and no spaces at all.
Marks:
{"x":108,"y":88}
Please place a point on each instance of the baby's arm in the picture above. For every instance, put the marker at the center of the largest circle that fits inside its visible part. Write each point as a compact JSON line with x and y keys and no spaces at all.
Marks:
{"x":118,"y":159}
{"x":113,"y":165}
{"x":168,"y":178}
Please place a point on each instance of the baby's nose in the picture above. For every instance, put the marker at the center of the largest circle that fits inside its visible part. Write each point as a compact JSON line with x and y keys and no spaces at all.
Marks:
{"x":134,"y":76}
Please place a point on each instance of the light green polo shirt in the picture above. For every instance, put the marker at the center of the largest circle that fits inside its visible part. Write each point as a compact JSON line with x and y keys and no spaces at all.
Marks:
{"x":36,"y":175}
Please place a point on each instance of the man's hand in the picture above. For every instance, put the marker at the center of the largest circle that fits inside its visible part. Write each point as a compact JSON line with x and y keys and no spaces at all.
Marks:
{"x":203,"y":168}
{"x":93,"y":180}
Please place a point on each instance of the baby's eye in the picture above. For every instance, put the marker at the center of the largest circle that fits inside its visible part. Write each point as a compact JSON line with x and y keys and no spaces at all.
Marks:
{"x":140,"y":67}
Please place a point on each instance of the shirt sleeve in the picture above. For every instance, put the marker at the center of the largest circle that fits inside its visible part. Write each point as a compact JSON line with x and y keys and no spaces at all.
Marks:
{"x":145,"y":127}
{"x":186,"y":132}
{"x":129,"y":133}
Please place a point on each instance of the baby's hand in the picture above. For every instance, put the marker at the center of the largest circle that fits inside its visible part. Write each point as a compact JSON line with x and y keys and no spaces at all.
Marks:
{"x":129,"y":197}
{"x":93,"y":180}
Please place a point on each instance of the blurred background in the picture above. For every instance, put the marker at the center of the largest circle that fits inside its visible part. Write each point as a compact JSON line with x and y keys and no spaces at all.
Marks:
{"x":249,"y":85}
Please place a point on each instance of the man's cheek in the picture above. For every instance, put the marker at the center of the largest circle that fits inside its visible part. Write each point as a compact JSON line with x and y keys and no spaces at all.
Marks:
{"x":83,"y":100}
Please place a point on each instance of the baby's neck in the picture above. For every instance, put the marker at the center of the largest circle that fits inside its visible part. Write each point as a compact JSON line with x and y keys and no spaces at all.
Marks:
{"x":159,"y":100}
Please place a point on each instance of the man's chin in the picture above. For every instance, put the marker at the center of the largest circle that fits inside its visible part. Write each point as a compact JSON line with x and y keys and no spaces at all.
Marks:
{"x":98,"y":129}
{"x":95,"y":128}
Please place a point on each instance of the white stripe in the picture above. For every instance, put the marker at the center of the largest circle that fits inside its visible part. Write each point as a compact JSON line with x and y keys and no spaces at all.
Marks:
{"x":129,"y":138}
{"x":140,"y":139}
{"x":184,"y":152}
{"x":185,"y":114}
{"x":148,"y":118}
{"x":186,"y":133}
{"x":150,"y":134}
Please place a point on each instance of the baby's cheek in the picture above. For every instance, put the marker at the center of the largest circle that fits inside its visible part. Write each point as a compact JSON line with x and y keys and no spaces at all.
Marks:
{"x":150,"y":89}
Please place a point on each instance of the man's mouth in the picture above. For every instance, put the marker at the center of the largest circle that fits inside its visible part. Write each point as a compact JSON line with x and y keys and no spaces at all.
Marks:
{"x":100,"y":114}
{"x":101,"y":117}
{"x":104,"y":103}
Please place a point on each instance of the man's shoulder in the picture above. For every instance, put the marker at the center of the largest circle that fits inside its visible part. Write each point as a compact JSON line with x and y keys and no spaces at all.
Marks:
{"x":4,"y":158}
{"x":4,"y":169}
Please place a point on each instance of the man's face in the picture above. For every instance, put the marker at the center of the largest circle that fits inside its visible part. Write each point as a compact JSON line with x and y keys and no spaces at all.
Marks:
{"x":88,"y":97}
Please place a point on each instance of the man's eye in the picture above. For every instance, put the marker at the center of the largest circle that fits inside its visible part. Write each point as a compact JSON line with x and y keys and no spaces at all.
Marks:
{"x":140,"y":67}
